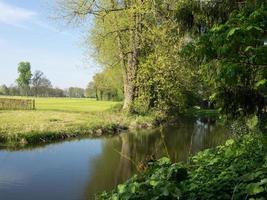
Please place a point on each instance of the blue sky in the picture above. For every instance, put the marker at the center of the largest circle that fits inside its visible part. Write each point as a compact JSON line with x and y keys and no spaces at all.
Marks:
{"x":27,"y":33}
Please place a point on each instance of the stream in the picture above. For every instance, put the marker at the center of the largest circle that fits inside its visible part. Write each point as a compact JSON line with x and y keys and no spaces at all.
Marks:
{"x":78,"y":169}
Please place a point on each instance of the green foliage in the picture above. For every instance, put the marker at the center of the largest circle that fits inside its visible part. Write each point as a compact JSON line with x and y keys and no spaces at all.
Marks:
{"x":24,"y":70}
{"x":164,"y":81}
{"x":234,"y":62}
{"x":4,"y":90}
{"x":142,"y":42}
{"x":228,"y":171}
{"x":108,"y":84}
{"x":160,"y":181}
{"x":236,"y":170}
{"x":38,"y":85}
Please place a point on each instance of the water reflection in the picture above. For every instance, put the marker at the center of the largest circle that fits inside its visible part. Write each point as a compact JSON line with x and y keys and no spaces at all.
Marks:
{"x":121,"y":154}
{"x":76,"y":170}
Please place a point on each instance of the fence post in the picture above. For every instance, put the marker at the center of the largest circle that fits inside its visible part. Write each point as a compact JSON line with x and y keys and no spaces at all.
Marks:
{"x":33,"y":104}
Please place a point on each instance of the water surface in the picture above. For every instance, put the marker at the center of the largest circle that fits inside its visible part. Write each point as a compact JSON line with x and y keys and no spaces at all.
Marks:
{"x":78,"y":169}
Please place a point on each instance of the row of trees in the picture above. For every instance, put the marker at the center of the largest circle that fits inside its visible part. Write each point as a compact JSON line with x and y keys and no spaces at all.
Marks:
{"x":172,"y":55}
{"x":108,"y":84}
{"x":15,"y":90}
{"x":37,"y":84}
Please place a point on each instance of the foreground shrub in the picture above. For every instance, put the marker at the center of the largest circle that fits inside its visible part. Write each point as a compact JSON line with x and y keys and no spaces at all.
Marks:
{"x":160,"y":181}
{"x":233,"y":171}
{"x":236,"y":170}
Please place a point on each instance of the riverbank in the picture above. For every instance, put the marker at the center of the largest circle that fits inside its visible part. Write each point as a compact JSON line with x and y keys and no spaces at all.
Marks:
{"x":57,"y":119}
{"x":20,"y":128}
{"x":236,"y":170}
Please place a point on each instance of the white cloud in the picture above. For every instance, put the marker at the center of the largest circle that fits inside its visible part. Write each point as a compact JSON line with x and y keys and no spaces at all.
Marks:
{"x":14,"y":15}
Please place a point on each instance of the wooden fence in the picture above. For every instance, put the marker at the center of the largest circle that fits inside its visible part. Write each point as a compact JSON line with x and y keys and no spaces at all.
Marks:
{"x":17,"y":104}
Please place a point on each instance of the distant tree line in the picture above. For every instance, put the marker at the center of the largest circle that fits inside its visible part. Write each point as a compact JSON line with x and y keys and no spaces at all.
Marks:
{"x":38,"y":85}
{"x":75,"y":92}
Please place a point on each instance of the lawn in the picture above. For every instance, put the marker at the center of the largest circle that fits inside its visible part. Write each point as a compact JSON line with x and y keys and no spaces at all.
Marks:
{"x":70,"y":104}
{"x":74,"y":105}
{"x":58,"y":118}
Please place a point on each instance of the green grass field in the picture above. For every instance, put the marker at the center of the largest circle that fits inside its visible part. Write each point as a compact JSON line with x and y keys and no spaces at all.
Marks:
{"x":73,"y":105}
{"x":70,"y":104}
{"x":57,"y":118}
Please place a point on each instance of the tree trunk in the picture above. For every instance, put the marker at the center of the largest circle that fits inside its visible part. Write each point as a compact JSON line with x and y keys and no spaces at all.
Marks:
{"x":128,"y":95}
{"x":129,"y":61}
{"x":96,"y":95}
{"x":101,"y":95}
{"x":129,"y":84}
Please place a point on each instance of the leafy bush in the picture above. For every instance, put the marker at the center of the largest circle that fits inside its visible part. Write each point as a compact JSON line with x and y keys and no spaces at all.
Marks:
{"x":237,"y":170}
{"x":160,"y":181}
{"x":232,"y":59}
{"x":229,"y":171}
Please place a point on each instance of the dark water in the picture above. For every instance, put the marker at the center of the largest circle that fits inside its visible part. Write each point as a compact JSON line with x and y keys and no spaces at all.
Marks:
{"x":76,"y":170}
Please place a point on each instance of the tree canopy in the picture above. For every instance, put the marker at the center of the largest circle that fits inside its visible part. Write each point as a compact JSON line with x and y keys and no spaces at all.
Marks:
{"x":233,"y":60}
{"x":173,"y":55}
{"x":24,"y":70}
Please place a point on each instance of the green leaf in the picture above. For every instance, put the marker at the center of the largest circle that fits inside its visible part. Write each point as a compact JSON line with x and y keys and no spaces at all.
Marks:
{"x":249,"y":28}
{"x":217,"y":28}
{"x":263,"y":181}
{"x":249,"y":48}
{"x":121,"y":188}
{"x":213,"y":97}
{"x":134,"y":187}
{"x":153,"y":183}
{"x":232,"y":32}
{"x":255,"y":189}
{"x":164,"y":161}
{"x":261,"y":83}
{"x":229,"y":142}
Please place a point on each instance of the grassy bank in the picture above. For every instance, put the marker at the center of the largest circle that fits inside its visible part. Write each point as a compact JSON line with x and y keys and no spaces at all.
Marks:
{"x":60,"y":118}
{"x":236,"y":170}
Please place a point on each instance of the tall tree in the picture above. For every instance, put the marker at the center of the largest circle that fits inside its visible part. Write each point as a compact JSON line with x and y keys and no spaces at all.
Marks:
{"x":40,"y":84}
{"x":116,"y":21}
{"x":144,"y":38}
{"x":24,"y":70}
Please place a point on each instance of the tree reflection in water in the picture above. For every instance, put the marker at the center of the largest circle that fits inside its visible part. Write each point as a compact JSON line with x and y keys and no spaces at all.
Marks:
{"x":120,"y":154}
